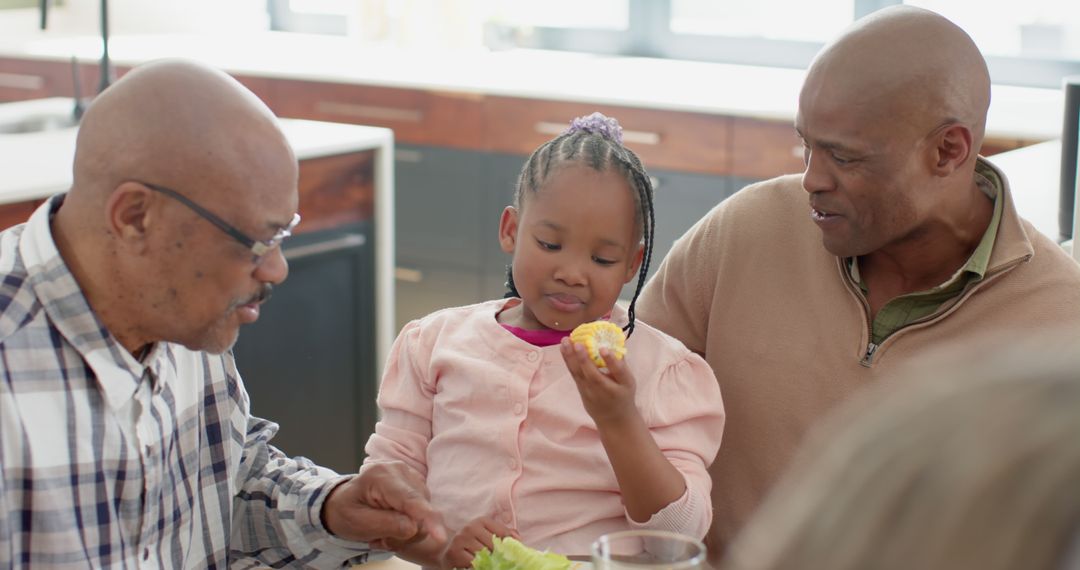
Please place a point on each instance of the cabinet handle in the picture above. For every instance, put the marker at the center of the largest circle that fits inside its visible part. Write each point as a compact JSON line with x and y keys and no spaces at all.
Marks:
{"x":369,"y":112}
{"x":346,"y":241}
{"x":21,"y":81}
{"x":408,"y":275}
{"x":638,"y":137}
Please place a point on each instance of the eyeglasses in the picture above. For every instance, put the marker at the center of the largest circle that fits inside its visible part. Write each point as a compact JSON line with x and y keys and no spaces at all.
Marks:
{"x":258,"y":248}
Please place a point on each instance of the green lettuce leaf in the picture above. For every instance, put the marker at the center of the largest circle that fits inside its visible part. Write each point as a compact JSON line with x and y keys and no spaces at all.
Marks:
{"x":510,"y":554}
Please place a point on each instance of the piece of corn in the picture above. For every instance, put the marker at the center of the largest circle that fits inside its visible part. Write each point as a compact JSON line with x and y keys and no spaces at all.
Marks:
{"x":597,"y":335}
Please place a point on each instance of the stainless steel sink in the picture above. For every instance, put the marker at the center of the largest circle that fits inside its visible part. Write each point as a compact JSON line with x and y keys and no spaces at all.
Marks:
{"x":37,"y":123}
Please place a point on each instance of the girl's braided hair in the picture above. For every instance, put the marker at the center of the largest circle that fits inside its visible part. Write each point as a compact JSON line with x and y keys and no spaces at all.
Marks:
{"x":595,"y":141}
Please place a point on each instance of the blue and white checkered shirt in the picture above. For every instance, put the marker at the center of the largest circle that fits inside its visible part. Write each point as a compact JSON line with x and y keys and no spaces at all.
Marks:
{"x":107,"y":462}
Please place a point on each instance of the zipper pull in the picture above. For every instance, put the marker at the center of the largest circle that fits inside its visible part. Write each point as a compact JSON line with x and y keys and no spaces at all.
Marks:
{"x":868,"y":358}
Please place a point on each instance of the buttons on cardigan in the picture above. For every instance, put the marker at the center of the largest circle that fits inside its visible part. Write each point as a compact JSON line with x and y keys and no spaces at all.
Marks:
{"x":512,"y":463}
{"x":532,"y":356}
{"x":518,"y":408}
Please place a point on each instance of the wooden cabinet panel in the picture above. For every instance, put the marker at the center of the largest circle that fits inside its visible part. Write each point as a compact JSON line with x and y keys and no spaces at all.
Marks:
{"x":993,"y":146}
{"x":17,"y":213}
{"x":22,"y":79}
{"x":416,"y":116}
{"x":763,"y":149}
{"x":262,"y":87}
{"x":455,"y":120}
{"x":672,"y":140}
{"x":336,"y":190}
{"x":309,"y":361}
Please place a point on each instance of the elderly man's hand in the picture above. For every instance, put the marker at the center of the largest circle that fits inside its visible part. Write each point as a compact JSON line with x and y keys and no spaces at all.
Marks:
{"x":385,"y":504}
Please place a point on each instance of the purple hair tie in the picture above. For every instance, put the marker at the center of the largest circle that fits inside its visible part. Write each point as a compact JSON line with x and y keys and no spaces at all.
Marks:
{"x":597,"y":123}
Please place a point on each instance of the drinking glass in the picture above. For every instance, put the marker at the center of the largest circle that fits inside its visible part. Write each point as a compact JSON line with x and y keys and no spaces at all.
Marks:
{"x":647,"y":550}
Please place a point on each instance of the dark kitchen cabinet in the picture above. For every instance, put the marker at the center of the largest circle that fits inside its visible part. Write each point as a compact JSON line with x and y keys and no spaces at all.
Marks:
{"x":308,"y":362}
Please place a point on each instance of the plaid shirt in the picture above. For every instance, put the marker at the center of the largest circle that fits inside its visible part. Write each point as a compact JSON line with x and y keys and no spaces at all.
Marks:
{"x":107,"y":462}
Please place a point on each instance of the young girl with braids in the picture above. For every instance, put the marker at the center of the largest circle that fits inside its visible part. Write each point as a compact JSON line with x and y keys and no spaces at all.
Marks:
{"x":516,"y":430}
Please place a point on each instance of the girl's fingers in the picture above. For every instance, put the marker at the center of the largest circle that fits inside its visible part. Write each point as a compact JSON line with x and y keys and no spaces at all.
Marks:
{"x":496,"y":528}
{"x":578,"y":362}
{"x":616,"y":366}
{"x":570,"y":356}
{"x":462,"y":556}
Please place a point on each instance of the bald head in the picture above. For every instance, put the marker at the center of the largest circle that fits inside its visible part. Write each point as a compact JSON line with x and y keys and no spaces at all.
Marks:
{"x":153,"y":266}
{"x":182,"y":125}
{"x":907,"y":66}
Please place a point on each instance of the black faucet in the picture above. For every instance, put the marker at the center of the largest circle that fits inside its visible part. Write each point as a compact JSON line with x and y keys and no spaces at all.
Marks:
{"x":105,"y":67}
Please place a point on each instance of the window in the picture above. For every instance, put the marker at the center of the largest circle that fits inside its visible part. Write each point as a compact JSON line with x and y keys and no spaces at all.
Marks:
{"x":15,"y":4}
{"x":588,"y":14}
{"x":1043,"y":29}
{"x":310,"y":16}
{"x":1037,"y":45}
{"x":772,"y":19}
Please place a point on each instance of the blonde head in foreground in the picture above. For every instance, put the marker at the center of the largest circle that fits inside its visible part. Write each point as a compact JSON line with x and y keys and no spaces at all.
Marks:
{"x":970,"y":465}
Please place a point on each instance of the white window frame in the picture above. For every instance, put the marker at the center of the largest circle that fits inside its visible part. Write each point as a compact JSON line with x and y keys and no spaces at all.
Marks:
{"x":649,"y":35}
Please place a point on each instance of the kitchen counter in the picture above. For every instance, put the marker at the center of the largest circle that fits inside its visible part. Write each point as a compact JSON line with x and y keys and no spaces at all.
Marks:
{"x":1034,"y":177}
{"x":1020,"y":113}
{"x":38,"y":165}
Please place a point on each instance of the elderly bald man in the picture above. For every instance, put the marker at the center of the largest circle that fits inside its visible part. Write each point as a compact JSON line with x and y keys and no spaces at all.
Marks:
{"x":126,"y":438}
{"x":896,"y":239}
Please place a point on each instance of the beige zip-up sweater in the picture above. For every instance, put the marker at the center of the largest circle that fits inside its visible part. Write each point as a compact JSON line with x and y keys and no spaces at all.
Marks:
{"x":752,"y":288}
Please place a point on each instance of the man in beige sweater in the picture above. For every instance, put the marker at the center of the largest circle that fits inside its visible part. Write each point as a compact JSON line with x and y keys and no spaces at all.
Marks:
{"x":895,"y":240}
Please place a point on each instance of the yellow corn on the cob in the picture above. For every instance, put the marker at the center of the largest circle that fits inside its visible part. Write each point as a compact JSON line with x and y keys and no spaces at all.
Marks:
{"x":597,"y":335}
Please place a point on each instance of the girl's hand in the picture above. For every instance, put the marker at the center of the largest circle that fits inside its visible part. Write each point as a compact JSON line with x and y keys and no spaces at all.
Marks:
{"x":608,"y":396}
{"x":473,"y":538}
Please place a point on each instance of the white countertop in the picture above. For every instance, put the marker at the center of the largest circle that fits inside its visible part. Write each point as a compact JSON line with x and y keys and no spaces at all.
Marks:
{"x":1034,"y":174}
{"x":1035,"y":178}
{"x":755,"y":92}
{"x":36,"y":165}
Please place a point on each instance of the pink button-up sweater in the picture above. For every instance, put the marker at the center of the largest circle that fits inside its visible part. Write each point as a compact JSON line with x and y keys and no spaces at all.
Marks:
{"x":498,"y":428}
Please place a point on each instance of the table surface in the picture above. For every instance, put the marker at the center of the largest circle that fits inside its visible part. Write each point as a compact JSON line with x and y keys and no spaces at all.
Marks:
{"x":392,"y":563}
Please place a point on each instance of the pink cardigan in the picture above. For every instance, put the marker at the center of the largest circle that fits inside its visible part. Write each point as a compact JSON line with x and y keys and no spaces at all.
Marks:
{"x":498,"y":428}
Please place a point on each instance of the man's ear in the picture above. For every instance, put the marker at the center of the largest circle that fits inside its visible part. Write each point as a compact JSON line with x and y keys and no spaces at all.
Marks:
{"x":635,"y":265}
{"x":508,"y":227}
{"x":129,"y":213}
{"x":951,"y":147}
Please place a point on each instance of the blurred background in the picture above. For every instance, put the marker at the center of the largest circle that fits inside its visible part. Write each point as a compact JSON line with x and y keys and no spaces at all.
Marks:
{"x":1033,"y":42}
